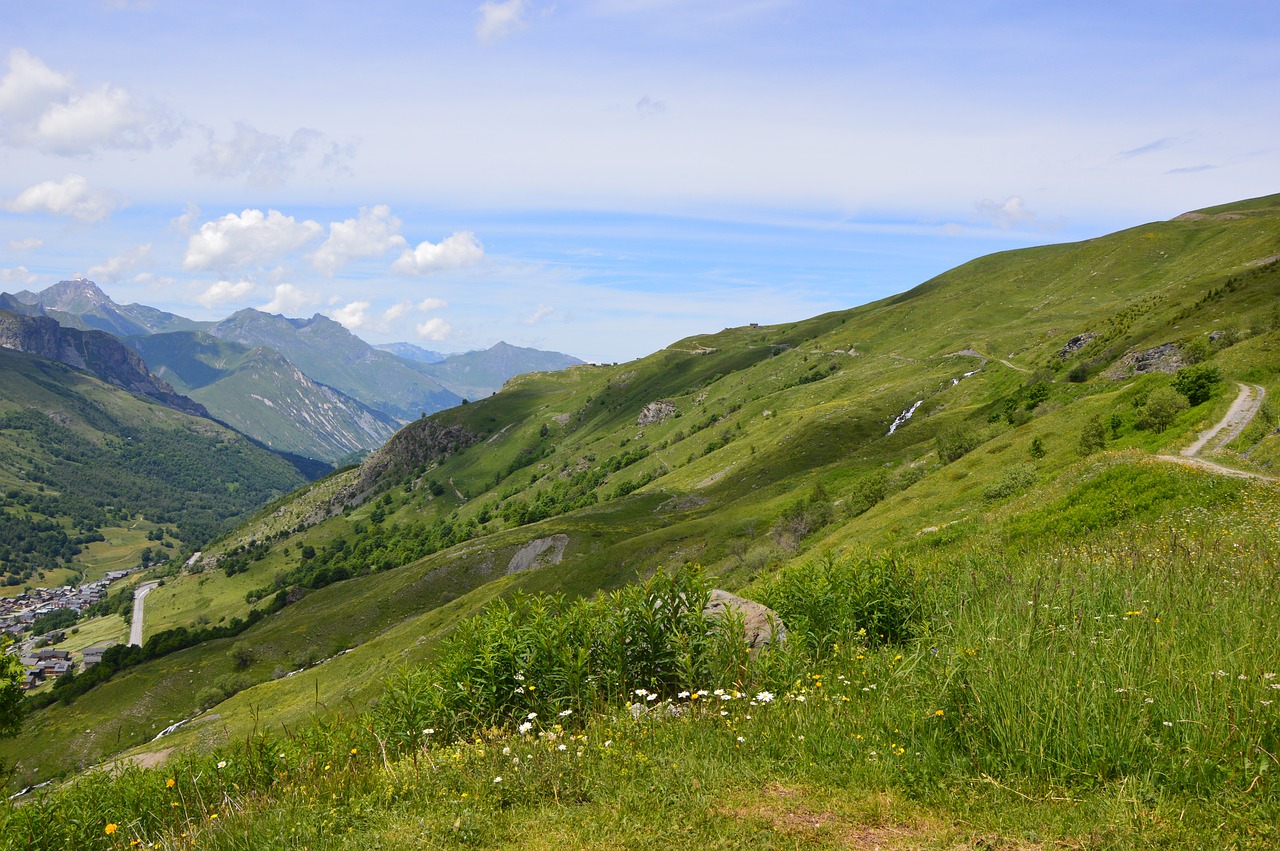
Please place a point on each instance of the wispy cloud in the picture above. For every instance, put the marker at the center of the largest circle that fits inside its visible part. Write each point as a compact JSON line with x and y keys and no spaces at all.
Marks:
{"x":501,"y":19}
{"x":269,"y":160}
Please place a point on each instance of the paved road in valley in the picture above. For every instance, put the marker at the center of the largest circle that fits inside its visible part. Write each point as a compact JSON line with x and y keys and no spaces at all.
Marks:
{"x":139,"y":597}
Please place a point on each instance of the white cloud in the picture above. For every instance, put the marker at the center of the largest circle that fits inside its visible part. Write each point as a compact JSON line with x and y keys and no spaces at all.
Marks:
{"x":268,"y":160}
{"x":538,"y":315}
{"x":1007,"y":214}
{"x":226,"y":291}
{"x":434,"y":329}
{"x":453,"y":252}
{"x":352,"y":315}
{"x":373,"y":233}
{"x":121,"y":265}
{"x":71,"y":197}
{"x":29,"y":244}
{"x":396,"y":311}
{"x":41,"y":108}
{"x":289,"y":299}
{"x":18,"y":275}
{"x":429,"y":304}
{"x":251,"y":238}
{"x":182,"y":223}
{"x":501,"y":19}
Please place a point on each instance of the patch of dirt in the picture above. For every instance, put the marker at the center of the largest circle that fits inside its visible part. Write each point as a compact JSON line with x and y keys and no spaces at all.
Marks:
{"x":713,"y":478}
{"x":537,"y":553}
{"x":683,"y":503}
{"x":785,"y":811}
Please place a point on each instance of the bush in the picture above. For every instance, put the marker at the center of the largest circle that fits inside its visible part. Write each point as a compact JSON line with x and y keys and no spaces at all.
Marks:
{"x":872,"y":600}
{"x":954,"y":443}
{"x":1162,"y":407}
{"x":1093,"y":436}
{"x":1016,"y":479}
{"x":1197,"y":382}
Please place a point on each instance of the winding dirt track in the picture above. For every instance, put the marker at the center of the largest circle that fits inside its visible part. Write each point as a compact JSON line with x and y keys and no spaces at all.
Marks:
{"x":1237,"y":419}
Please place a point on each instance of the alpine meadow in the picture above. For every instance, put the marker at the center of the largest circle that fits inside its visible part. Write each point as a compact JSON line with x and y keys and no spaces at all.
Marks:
{"x":1017,"y":531}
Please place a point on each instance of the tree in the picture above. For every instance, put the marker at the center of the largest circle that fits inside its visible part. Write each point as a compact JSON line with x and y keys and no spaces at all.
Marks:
{"x":1162,"y":408}
{"x":1093,"y":436}
{"x":1196,"y":382}
{"x":11,"y":697}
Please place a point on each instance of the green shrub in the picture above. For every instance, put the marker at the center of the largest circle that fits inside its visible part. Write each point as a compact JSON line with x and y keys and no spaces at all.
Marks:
{"x":1197,"y":382}
{"x":824,"y":603}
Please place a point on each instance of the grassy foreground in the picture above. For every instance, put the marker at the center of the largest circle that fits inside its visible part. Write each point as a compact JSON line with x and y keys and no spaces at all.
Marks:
{"x":1071,"y":675}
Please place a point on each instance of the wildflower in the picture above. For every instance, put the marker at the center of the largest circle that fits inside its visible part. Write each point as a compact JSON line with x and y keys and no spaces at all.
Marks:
{"x":429,"y":731}
{"x":354,"y":751}
{"x":562,"y":747}
{"x":168,"y":784}
{"x":723,"y":712}
{"x":519,"y":678}
{"x":110,"y":829}
{"x":222,"y":763}
{"x":940,"y":713}
{"x":1168,"y":723}
{"x":566,"y":713}
{"x":682,"y":695}
{"x":497,"y":780}
{"x":741,"y":739}
{"x":532,"y":715}
{"x":524,"y":728}
{"x":506,"y":751}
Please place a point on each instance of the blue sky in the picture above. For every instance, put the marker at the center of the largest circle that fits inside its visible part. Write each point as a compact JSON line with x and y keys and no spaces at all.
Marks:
{"x":603,"y":177}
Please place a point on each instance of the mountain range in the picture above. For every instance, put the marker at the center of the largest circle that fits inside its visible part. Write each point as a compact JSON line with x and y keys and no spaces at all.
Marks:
{"x":304,"y":386}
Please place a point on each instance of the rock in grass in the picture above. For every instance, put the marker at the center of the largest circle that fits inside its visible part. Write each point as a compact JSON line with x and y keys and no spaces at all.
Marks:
{"x":761,"y":625}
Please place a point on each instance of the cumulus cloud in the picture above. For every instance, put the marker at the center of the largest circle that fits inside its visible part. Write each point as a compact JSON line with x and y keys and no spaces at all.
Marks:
{"x":121,"y":265}
{"x":250,"y":238}
{"x":289,"y":299}
{"x":501,"y":19}
{"x":72,"y":196}
{"x":43,"y":109}
{"x":352,"y":315}
{"x":1007,"y":214}
{"x":538,"y":315}
{"x":371,"y":234}
{"x":18,"y":275}
{"x":268,"y":160}
{"x":453,"y":252}
{"x":434,"y":329}
{"x":29,"y":244}
{"x":226,"y":291}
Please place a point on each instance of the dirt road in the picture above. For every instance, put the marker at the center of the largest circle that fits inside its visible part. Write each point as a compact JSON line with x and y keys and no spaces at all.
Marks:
{"x":1239,"y":415}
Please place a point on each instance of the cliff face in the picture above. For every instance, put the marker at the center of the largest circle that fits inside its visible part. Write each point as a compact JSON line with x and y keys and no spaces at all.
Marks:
{"x":95,"y":352}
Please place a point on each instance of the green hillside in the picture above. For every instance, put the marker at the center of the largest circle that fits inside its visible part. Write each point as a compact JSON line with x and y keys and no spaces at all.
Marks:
{"x":79,"y":457}
{"x":994,"y":431}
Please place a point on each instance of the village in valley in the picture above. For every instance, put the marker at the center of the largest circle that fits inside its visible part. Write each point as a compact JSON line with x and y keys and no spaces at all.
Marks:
{"x":22,"y":619}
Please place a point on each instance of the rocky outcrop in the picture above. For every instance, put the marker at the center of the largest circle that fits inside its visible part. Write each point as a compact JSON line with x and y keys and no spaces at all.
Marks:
{"x":1075,"y":344}
{"x":1166,"y":358}
{"x":416,"y":446}
{"x":656,"y":412}
{"x":761,"y":625}
{"x":95,"y":352}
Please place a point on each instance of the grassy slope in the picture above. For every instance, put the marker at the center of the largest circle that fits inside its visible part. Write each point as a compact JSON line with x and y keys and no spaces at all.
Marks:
{"x":1133,"y":289}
